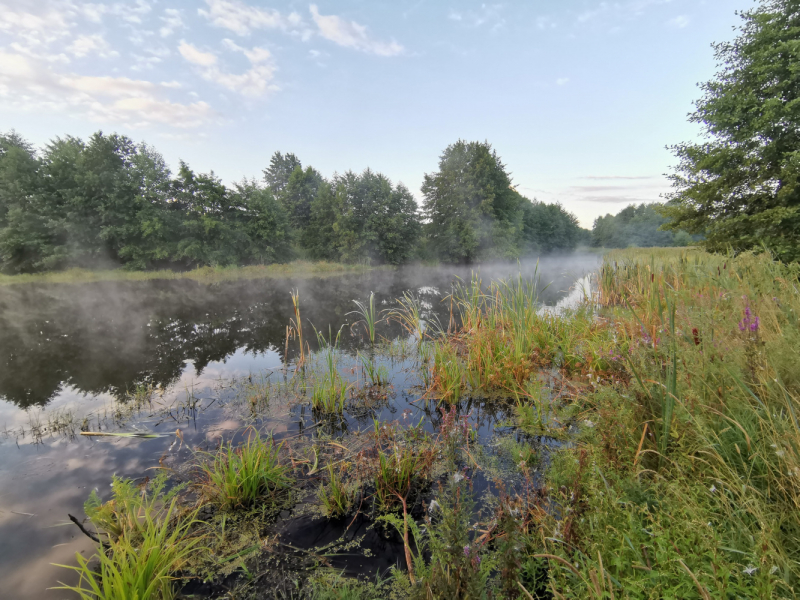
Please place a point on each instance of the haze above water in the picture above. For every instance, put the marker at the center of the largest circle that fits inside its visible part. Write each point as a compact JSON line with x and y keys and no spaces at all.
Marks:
{"x":72,"y":351}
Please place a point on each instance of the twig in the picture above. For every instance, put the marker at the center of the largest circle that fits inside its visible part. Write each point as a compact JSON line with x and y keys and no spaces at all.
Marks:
{"x":87,"y":533}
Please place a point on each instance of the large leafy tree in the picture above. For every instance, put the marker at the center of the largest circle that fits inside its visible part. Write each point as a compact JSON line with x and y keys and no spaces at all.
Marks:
{"x":548,"y":227}
{"x":280,"y":169}
{"x":740,"y":187}
{"x":471,"y":207}
{"x":26,"y":237}
{"x":363,"y":216}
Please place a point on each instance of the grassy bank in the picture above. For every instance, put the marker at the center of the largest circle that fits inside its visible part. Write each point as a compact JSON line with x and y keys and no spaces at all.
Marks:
{"x":654,"y":448}
{"x":204,"y":274}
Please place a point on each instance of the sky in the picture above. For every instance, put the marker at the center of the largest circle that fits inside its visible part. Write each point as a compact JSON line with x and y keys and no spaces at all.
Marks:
{"x":580,"y":98}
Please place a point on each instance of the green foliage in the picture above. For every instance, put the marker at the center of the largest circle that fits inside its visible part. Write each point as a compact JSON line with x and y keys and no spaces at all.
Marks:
{"x":549,"y":228}
{"x":741,"y":186}
{"x":137,"y":571}
{"x":456,"y":568}
{"x":474,"y":212}
{"x":149,"y":541}
{"x":637,"y":226}
{"x":363,"y":216}
{"x":238,"y":477}
{"x":108,"y":202}
{"x":337,"y":497}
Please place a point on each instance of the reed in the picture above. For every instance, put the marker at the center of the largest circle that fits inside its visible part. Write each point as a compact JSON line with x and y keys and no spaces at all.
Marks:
{"x":370,"y":317}
{"x":329,"y":391}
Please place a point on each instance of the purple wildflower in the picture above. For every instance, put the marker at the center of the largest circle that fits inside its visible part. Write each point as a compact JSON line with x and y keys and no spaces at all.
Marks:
{"x":749,"y":322}
{"x":466,"y":550}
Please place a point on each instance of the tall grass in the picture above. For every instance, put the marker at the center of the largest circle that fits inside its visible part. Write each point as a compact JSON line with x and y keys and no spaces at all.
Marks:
{"x":701,"y":449}
{"x":140,"y":568}
{"x":240,"y":476}
{"x":149,"y":539}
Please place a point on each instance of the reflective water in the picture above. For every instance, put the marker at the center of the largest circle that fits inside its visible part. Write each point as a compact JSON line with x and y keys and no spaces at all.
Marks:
{"x":69,"y":354}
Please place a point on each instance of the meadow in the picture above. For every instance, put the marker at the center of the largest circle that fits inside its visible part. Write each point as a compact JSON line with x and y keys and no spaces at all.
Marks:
{"x":652,"y":450}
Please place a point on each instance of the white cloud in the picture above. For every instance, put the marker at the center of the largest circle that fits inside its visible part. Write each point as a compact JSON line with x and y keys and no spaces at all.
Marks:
{"x":173,"y":85}
{"x":562,"y":80}
{"x":196,"y":56}
{"x":241,"y":18}
{"x":455,"y":16}
{"x":132,"y":14}
{"x":679,"y":22}
{"x":27,"y":84}
{"x":172,"y":21}
{"x":44,"y":26}
{"x":351,"y":35}
{"x":256,"y":82}
{"x":83,"y":45}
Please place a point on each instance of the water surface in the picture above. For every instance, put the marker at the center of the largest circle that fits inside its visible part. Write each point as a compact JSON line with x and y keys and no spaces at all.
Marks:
{"x":70,"y":354}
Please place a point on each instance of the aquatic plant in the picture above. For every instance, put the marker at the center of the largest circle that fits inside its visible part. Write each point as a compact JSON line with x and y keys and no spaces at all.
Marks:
{"x":369,"y":315}
{"x":149,"y":539}
{"x":377,"y":375}
{"x":295,"y":328}
{"x":329,"y":391}
{"x":337,"y":496}
{"x":140,"y":567}
{"x":239,"y":476}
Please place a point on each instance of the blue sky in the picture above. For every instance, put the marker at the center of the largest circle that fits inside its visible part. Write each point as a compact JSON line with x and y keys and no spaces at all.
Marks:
{"x":579,"y":97}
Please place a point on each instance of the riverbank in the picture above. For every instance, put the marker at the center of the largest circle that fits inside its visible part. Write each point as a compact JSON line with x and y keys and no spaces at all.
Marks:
{"x":203,"y":274}
{"x":644,"y":444}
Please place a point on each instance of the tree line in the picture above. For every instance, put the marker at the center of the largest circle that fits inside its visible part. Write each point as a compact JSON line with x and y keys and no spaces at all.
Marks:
{"x":639,"y":226}
{"x":108,"y":201}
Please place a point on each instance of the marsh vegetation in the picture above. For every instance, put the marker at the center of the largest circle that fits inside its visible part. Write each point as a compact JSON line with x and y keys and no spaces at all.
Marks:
{"x":645,"y":445}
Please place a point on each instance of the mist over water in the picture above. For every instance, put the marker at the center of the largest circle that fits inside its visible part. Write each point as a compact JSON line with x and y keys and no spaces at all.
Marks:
{"x":80,"y":347}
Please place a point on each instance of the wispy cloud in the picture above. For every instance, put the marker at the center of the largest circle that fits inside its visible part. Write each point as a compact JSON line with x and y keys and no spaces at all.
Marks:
{"x":618,"y":10}
{"x":242,"y":19}
{"x":172,"y":20}
{"x":679,"y":22}
{"x":490,"y":15}
{"x":94,"y":44}
{"x":256,"y":82}
{"x":197,"y":56}
{"x":545,"y":22}
{"x":562,"y":81}
{"x":350,"y":34}
{"x":27,"y":84}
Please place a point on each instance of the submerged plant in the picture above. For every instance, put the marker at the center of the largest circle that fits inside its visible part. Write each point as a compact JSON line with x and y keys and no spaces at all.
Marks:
{"x":376,"y":375}
{"x":239,"y":476}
